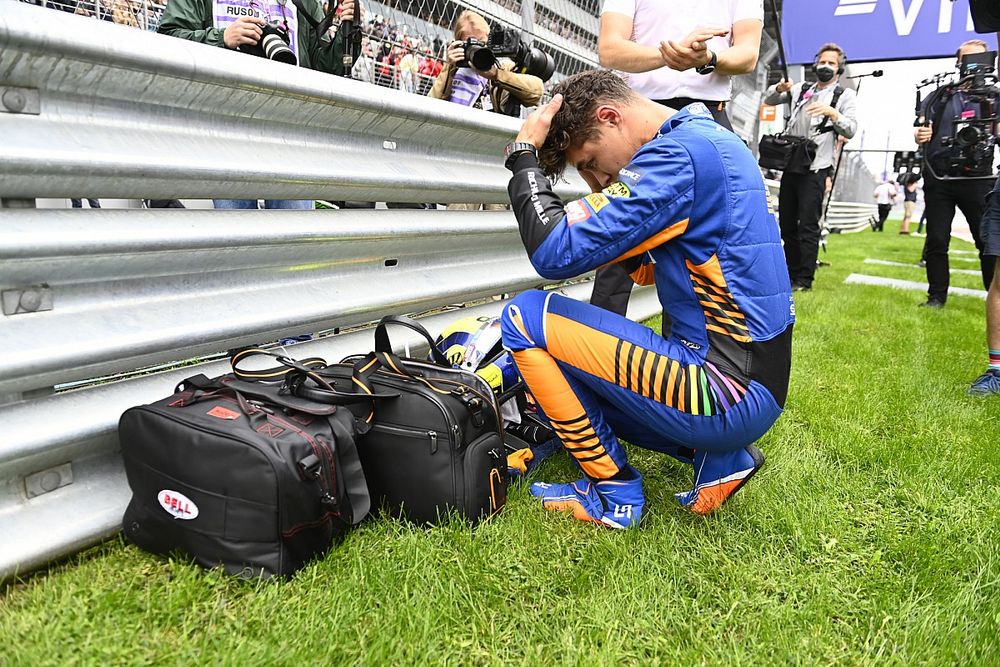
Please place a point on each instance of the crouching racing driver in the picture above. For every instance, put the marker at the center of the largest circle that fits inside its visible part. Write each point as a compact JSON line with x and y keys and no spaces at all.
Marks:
{"x":683,"y":206}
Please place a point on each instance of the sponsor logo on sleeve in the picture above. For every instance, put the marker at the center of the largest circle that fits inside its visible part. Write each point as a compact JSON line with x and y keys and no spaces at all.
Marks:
{"x":576,"y":212}
{"x":617,"y":190}
{"x":597,"y":201}
{"x":630,"y":176}
{"x":698,"y":109}
{"x":535,"y":201}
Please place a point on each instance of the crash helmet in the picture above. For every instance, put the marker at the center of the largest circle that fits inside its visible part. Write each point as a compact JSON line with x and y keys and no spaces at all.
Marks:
{"x":473,"y":344}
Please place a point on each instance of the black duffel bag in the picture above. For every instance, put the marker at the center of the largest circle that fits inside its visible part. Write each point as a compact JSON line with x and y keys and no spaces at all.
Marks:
{"x":786,"y":152}
{"x":434,"y":450}
{"x":241,"y":475}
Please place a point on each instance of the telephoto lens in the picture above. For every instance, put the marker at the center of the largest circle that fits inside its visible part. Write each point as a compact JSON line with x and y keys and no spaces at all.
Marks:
{"x":274,"y":44}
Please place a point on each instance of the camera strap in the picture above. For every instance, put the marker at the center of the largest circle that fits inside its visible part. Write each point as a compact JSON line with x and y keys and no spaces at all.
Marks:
{"x":319,"y":26}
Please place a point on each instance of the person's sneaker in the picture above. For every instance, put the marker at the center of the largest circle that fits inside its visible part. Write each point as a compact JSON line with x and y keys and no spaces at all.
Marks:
{"x":922,"y":263}
{"x":986,"y":384}
{"x":936,"y":304}
{"x":611,"y":503}
{"x":798,"y":287}
{"x":718,"y":477}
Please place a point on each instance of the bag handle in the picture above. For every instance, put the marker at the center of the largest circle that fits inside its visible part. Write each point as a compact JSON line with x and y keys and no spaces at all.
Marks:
{"x":287,"y":365}
{"x":365,"y":367}
{"x":382,"y":343}
{"x":295,"y":373}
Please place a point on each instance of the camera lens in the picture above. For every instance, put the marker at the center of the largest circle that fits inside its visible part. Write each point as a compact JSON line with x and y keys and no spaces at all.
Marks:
{"x":276,"y":48}
{"x":967,"y":136}
{"x":539,"y":63}
{"x":481,"y":58}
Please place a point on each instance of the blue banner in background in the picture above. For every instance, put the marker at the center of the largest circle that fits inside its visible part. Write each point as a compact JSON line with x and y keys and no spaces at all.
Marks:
{"x":877,"y":29}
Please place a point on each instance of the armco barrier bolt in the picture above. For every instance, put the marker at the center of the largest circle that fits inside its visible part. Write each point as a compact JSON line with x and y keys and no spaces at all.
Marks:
{"x":14,"y":100}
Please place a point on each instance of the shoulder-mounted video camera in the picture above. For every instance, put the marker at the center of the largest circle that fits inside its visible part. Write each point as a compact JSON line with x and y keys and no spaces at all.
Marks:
{"x":504,"y":42}
{"x":968,"y":150}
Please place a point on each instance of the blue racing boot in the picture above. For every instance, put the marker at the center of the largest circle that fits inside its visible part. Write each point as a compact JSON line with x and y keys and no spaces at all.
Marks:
{"x":718,"y":477}
{"x":611,"y":503}
{"x":986,"y":384}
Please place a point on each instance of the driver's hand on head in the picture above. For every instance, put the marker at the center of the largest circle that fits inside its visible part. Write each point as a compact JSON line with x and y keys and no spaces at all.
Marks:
{"x":536,"y":126}
{"x":244,"y":30}
{"x":456,"y":52}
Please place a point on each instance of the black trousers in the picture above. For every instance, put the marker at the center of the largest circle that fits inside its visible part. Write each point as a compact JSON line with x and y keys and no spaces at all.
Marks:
{"x":883,"y":213}
{"x":800,"y":205}
{"x":940,"y":200}
{"x":612,"y":285}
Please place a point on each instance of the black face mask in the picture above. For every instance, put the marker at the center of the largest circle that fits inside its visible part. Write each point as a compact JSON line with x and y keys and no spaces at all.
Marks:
{"x":824,"y":73}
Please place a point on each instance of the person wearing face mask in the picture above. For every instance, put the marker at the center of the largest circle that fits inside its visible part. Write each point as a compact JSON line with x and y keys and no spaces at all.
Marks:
{"x":668,"y":210}
{"x":939,"y":112}
{"x":822,"y":112}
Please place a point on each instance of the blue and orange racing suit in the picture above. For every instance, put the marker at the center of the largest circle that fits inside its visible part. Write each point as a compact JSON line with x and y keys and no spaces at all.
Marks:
{"x":691,"y":214}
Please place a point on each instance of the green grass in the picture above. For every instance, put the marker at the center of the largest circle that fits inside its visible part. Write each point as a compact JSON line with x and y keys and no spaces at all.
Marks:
{"x":871,"y":537}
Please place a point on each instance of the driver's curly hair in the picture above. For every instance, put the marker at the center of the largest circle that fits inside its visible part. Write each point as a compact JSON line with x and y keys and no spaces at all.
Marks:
{"x":576,"y":122}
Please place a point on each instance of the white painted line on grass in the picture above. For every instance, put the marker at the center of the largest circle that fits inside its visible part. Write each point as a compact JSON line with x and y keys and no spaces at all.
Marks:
{"x":964,"y":252}
{"x":862,"y":279}
{"x":965,"y":259}
{"x":885,"y":262}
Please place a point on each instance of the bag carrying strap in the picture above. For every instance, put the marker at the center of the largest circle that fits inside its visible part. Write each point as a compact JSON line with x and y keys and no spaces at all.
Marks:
{"x":319,"y":26}
{"x":367,"y":366}
{"x":351,"y":474}
{"x":382,"y":343}
{"x":824,"y":125}
{"x":294,"y":375}
{"x":275,"y":373}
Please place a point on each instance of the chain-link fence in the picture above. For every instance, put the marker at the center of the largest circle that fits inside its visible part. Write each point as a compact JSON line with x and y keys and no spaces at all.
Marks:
{"x":404,"y":41}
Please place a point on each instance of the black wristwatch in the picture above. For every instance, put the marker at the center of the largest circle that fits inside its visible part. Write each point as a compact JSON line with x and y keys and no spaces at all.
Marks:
{"x":514,"y":149}
{"x":709,"y":67}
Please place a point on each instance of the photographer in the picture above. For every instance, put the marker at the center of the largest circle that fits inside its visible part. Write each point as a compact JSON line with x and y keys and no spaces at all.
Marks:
{"x":497,"y":89}
{"x":241,"y":25}
{"x":937,"y":134}
{"x":821,"y":112}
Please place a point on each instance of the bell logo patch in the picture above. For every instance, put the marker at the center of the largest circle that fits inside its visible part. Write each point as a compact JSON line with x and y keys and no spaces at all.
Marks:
{"x":177,"y":504}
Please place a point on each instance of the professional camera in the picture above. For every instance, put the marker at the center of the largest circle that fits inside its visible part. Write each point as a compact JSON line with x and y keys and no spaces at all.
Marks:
{"x":505,"y":42}
{"x":970,"y":145}
{"x":273,"y":45}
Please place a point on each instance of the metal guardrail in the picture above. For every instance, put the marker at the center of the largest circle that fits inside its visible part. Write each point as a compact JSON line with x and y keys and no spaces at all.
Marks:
{"x":115,"y":112}
{"x":842,"y":217}
{"x":130,"y":114}
{"x":848,"y":217}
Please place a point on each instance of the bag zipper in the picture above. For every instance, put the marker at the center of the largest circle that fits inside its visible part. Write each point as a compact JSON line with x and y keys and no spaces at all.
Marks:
{"x":410,"y":432}
{"x":321,"y":449}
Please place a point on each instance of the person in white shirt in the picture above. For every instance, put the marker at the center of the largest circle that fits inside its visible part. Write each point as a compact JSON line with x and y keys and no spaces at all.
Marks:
{"x":683,"y":51}
{"x":885,"y":197}
{"x":675,"y":53}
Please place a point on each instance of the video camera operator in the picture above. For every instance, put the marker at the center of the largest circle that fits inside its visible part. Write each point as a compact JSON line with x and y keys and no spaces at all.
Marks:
{"x":956,"y":172}
{"x":495,"y":88}
{"x":821,"y":112}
